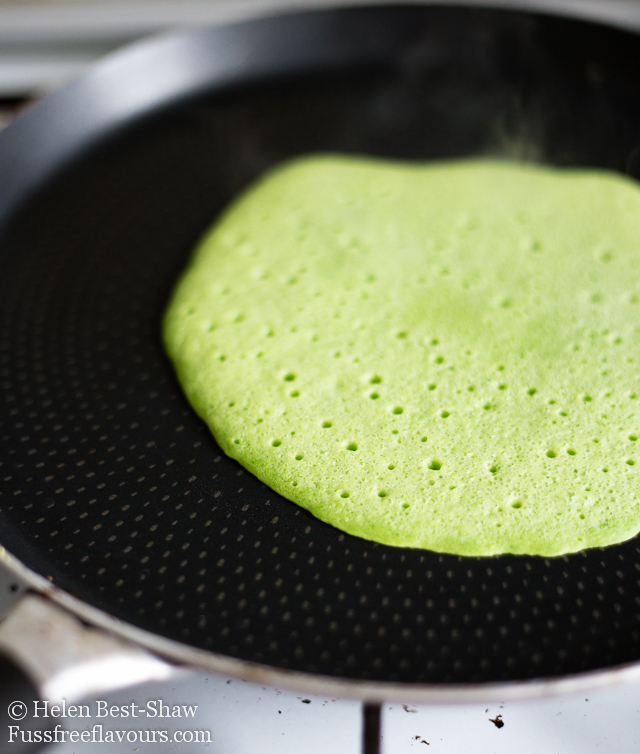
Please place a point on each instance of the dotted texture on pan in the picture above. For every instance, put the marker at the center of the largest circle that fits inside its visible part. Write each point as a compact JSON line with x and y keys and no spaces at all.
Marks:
{"x":112,"y":487}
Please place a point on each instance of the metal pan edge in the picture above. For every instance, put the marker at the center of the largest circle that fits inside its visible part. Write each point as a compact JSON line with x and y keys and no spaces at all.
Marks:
{"x":366,"y":691}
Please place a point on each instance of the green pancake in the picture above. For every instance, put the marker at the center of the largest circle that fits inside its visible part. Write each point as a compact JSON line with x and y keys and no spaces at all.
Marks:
{"x":441,"y":355}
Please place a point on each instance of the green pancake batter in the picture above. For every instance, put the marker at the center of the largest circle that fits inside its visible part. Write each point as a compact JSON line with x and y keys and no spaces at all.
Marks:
{"x":438,"y":355}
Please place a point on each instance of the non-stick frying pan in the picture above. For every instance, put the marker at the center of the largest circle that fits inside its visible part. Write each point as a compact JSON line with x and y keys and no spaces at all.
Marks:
{"x":111,"y":487}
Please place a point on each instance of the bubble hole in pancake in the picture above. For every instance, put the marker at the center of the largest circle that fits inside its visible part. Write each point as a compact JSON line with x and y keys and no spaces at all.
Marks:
{"x":438,"y":355}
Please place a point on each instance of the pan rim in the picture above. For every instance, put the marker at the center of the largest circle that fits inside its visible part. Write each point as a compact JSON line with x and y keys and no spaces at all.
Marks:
{"x":376,"y":692}
{"x":621,"y":15}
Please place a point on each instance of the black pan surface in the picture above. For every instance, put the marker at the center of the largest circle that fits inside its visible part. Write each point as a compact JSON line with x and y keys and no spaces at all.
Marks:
{"x":111,"y":486}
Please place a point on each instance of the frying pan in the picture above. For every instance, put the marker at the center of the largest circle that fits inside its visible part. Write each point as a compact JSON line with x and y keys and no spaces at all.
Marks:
{"x":113,"y":491}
